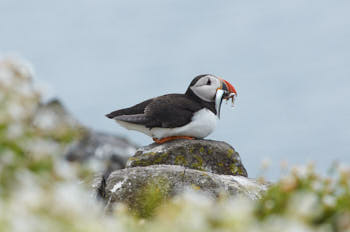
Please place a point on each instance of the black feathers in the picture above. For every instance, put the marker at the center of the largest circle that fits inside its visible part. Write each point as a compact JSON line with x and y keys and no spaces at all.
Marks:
{"x":136,"y":109}
{"x":141,"y":119}
{"x":194,"y":81}
{"x":167,"y":111}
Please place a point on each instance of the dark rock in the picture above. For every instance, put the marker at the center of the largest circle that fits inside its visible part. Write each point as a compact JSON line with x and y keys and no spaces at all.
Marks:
{"x":128,"y":185}
{"x":99,"y":152}
{"x":106,"y":152}
{"x":204,"y":155}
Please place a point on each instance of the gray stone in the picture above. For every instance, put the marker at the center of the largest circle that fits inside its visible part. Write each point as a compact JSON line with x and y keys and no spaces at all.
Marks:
{"x":105,"y":151}
{"x":128,"y":185}
{"x":98,"y":152}
{"x":204,"y":155}
{"x":53,"y":115}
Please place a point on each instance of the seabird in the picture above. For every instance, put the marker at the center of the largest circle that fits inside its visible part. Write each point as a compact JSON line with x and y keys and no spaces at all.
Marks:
{"x":179,"y":116}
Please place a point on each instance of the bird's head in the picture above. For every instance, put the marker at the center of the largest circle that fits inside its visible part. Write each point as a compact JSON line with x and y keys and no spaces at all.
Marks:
{"x":214,"y":89}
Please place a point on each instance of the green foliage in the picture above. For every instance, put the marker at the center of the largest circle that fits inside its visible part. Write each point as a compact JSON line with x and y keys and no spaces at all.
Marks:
{"x":149,"y":198}
{"x":314,"y":199}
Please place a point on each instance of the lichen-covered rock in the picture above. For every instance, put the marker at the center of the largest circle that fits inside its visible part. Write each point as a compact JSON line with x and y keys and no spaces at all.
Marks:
{"x":129,"y":185}
{"x":204,"y":155}
{"x":105,"y":152}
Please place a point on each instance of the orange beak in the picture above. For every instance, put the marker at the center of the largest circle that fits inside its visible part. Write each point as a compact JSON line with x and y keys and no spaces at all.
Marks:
{"x":226,"y":91}
{"x":228,"y":87}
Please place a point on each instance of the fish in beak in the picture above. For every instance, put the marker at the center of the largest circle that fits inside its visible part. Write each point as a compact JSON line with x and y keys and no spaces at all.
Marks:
{"x":225,"y":92}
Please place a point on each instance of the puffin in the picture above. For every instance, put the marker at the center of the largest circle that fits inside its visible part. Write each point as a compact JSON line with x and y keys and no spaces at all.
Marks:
{"x":192,"y":115}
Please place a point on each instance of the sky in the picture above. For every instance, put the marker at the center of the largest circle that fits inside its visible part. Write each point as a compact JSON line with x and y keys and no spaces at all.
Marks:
{"x":289,"y":61}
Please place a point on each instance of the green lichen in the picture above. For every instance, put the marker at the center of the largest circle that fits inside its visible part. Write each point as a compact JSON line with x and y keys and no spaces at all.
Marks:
{"x":151,"y":154}
{"x":150,"y":197}
{"x":135,"y":161}
{"x":195,"y":187}
{"x":199,"y":164}
{"x":205,"y":174}
{"x":230,"y":153}
{"x":241,"y":172}
{"x":133,"y":158}
{"x":234,"y":169}
{"x":195,"y":157}
{"x":160,"y":159}
{"x":180,"y":160}
{"x":151,"y":158}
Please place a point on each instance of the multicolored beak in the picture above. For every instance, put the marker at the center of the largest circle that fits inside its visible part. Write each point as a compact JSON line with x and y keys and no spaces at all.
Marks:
{"x":228,"y":87}
{"x":225,"y":92}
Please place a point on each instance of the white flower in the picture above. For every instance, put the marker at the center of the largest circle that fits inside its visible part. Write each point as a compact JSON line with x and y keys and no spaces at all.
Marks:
{"x":42,"y":147}
{"x":5,"y":76}
{"x":71,"y":198}
{"x":237,"y":211}
{"x":195,"y":198}
{"x":2,"y":96}
{"x":194,"y":208}
{"x":278,"y":224}
{"x":304,"y":205}
{"x":65,"y":170}
{"x":302,"y":171}
{"x":317,"y":186}
{"x":15,"y":130}
{"x":25,"y":90}
{"x":344,"y":170}
{"x":329,"y":201}
{"x":265,"y":163}
{"x":16,"y":111}
{"x":29,"y":193}
{"x":45,"y":120}
{"x":7,"y":157}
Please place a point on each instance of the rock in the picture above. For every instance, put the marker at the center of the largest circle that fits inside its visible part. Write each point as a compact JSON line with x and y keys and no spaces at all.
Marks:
{"x":204,"y":155}
{"x":53,"y":116}
{"x":103,"y":151}
{"x":128,"y":185}
{"x":54,"y":121}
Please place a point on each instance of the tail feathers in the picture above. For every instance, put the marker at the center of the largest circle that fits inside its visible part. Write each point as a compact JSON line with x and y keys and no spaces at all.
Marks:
{"x":110,"y":115}
{"x":113,"y":114}
{"x":136,"y":119}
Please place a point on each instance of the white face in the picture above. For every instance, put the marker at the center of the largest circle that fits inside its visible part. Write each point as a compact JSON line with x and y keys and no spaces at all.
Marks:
{"x":205,"y":88}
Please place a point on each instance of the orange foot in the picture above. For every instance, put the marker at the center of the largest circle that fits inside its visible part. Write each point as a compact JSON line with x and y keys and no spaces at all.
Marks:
{"x":167,"y":139}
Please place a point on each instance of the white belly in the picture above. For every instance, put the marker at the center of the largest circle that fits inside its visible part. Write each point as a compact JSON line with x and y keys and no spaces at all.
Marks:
{"x":203,"y":123}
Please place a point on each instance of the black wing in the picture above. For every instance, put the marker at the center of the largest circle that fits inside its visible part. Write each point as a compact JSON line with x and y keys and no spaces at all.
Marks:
{"x":172,"y":110}
{"x":168,"y":111}
{"x":136,"y":109}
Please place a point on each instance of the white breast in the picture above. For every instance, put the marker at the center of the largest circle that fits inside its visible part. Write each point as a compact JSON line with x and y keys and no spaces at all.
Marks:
{"x":202,"y":124}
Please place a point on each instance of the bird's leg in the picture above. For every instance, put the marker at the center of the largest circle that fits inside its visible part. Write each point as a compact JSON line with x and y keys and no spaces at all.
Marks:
{"x":167,"y":139}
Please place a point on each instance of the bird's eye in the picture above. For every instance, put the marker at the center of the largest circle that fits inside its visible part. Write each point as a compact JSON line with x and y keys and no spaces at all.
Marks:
{"x":209,"y":82}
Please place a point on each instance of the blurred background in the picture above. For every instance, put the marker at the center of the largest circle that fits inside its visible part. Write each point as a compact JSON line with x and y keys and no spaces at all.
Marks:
{"x":289,"y":61}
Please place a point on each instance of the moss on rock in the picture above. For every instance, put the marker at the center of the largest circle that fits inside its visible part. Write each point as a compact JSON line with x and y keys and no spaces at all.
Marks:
{"x":204,"y":155}
{"x":143,"y":189}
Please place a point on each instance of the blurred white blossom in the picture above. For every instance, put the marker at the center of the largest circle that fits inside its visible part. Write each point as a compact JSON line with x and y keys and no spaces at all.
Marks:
{"x":304,"y":205}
